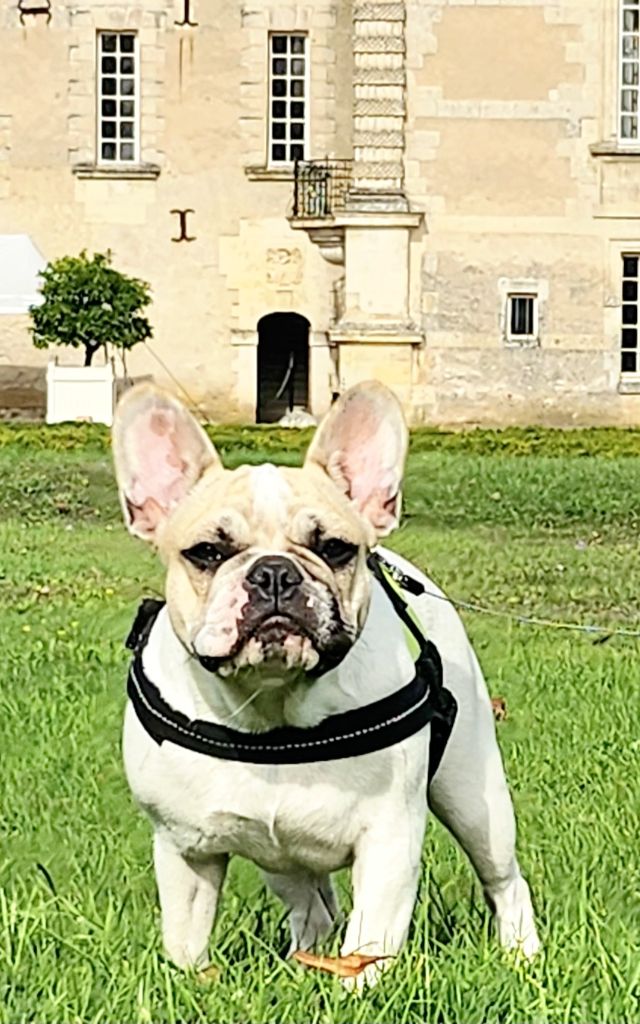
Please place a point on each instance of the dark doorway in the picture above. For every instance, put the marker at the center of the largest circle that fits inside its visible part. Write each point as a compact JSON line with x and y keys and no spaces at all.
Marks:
{"x":283,"y":365}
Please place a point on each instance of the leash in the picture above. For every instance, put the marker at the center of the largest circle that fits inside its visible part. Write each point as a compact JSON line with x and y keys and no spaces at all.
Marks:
{"x":603,"y":633}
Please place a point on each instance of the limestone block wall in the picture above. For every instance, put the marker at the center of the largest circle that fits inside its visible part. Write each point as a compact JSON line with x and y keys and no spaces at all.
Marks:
{"x":203,"y":132}
{"x":494,"y":118}
{"x":505,"y":103}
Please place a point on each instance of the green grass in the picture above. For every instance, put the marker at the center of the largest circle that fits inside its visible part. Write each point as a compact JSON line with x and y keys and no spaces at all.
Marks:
{"x":550,"y":530}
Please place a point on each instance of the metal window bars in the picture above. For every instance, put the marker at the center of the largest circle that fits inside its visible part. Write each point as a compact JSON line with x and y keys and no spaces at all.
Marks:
{"x":320,"y":187}
{"x":118,"y":97}
{"x":629,"y":361}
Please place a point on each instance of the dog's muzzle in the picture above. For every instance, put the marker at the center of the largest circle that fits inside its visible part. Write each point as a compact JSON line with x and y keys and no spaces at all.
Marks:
{"x":283,"y":603}
{"x":279,"y":602}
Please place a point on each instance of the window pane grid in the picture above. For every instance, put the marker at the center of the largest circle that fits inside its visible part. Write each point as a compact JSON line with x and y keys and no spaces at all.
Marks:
{"x":629,"y":69}
{"x":522,"y":316}
{"x":288,"y":97}
{"x":629,"y":363}
{"x":117,"y":97}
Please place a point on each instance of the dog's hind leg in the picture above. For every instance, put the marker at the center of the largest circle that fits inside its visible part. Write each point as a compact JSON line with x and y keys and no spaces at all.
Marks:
{"x":469,"y":795}
{"x":188,"y":893}
{"x":312,"y":905}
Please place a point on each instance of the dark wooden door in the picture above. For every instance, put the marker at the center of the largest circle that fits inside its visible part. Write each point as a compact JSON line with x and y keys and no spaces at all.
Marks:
{"x":283,"y":365}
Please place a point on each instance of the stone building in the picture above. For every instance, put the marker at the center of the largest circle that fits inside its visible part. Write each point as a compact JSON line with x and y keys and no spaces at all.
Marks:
{"x":443,"y":194}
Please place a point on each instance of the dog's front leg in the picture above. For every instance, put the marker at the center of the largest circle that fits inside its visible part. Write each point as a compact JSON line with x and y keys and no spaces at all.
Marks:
{"x":188,"y":893}
{"x":385,"y":877}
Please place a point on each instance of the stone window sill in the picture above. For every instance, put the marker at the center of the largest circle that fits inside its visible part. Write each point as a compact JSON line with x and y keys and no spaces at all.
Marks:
{"x":629,"y":386}
{"x":269,"y":173}
{"x":142,"y":172}
{"x":521,"y":342}
{"x":615,"y":148}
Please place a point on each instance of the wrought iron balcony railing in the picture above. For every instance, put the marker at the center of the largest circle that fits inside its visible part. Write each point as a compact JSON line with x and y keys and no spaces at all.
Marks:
{"x":320,"y":187}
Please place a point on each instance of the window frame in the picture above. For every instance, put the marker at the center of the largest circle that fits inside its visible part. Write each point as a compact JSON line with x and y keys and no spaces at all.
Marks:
{"x":626,"y":140}
{"x":522,"y":339}
{"x":629,"y":375}
{"x":271,"y":163}
{"x":101,"y":161}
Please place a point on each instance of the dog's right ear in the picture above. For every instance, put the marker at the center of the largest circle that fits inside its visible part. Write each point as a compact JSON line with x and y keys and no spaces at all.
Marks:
{"x":160,"y":452}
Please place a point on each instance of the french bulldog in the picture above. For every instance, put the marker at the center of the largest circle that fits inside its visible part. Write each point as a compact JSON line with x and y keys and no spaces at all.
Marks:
{"x":272,"y":618}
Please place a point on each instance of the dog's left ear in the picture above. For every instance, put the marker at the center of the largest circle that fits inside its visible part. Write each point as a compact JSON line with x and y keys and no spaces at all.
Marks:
{"x":160,"y":453}
{"x":362,"y":445}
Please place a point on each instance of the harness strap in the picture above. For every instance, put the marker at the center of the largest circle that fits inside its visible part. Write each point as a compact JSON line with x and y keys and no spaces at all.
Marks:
{"x":393,"y":581}
{"x":363,"y":730}
{"x":379,"y":725}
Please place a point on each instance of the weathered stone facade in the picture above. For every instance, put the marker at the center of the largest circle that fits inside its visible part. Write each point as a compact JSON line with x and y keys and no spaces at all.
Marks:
{"x":485,"y":164}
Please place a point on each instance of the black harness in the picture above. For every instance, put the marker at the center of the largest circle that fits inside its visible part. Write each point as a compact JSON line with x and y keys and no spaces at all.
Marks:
{"x":363,"y":730}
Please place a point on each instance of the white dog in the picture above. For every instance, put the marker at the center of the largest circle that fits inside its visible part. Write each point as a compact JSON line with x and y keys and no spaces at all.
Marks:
{"x":266,"y":692}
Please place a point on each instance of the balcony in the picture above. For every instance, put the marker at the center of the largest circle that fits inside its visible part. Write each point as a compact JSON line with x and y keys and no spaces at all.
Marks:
{"x":320,"y":189}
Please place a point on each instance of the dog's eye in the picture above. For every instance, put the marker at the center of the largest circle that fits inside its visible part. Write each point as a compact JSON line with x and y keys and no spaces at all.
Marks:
{"x":336,"y":552}
{"x":205,"y":555}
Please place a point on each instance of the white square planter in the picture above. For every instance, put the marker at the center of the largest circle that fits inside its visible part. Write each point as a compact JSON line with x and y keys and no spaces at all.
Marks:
{"x":80,"y":393}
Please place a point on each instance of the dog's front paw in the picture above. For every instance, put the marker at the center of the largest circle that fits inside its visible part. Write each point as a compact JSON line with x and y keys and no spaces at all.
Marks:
{"x":367,"y":977}
{"x":523,"y":942}
{"x":370,"y":967}
{"x":515,"y":921}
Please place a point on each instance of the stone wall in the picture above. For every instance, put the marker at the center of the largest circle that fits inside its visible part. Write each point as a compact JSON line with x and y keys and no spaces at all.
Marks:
{"x":506,"y":104}
{"x":203,"y":132}
{"x":23,"y":393}
{"x":494,"y":120}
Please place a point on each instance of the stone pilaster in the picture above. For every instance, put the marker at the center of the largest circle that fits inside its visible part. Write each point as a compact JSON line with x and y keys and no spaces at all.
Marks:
{"x":379,"y":105}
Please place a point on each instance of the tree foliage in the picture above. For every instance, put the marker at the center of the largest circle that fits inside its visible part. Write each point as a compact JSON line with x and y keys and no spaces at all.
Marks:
{"x":88,"y":304}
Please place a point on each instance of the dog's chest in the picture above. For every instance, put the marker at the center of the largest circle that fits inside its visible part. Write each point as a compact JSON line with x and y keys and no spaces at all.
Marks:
{"x":280,"y":816}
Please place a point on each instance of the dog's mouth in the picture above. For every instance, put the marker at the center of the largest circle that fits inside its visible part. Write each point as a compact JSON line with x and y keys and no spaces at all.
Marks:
{"x":275,"y":629}
{"x":282,"y":643}
{"x":278,"y":639}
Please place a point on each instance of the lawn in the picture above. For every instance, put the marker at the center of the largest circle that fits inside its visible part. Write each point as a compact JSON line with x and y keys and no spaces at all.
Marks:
{"x":530,"y":522}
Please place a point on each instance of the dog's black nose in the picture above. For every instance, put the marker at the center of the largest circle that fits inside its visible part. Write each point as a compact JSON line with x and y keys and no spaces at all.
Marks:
{"x":274,"y":577}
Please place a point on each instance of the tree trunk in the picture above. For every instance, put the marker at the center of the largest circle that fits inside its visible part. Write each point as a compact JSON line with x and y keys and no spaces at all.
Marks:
{"x":89,"y":352}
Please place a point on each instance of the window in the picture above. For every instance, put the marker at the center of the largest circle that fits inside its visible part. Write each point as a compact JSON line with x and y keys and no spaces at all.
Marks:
{"x":118,"y":97}
{"x":629,"y":69}
{"x":522,"y":317}
{"x":288,"y":98}
{"x":629,"y":363}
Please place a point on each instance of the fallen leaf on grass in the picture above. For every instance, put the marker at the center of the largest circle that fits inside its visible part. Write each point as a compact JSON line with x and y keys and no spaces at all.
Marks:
{"x":344,"y":966}
{"x":499,"y":706}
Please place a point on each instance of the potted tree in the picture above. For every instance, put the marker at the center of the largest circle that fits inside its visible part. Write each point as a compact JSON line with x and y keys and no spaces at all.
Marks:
{"x":88,"y":305}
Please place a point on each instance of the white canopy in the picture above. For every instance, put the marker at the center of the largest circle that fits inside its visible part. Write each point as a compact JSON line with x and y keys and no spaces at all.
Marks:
{"x":20,"y":264}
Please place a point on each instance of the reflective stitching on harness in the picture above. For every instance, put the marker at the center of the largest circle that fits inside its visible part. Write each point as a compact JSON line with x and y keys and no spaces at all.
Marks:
{"x":282,"y":746}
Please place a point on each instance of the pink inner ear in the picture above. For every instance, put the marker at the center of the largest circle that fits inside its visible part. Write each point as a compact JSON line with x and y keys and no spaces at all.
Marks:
{"x":359,"y":449}
{"x":375,"y":496}
{"x":146,"y":517}
{"x":161,"y":476}
{"x":365,"y":440}
{"x":362,"y":446}
{"x":372,"y":488}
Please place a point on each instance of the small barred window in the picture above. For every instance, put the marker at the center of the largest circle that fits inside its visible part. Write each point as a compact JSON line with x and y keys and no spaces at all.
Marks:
{"x":629,"y":363}
{"x":522,"y":317}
